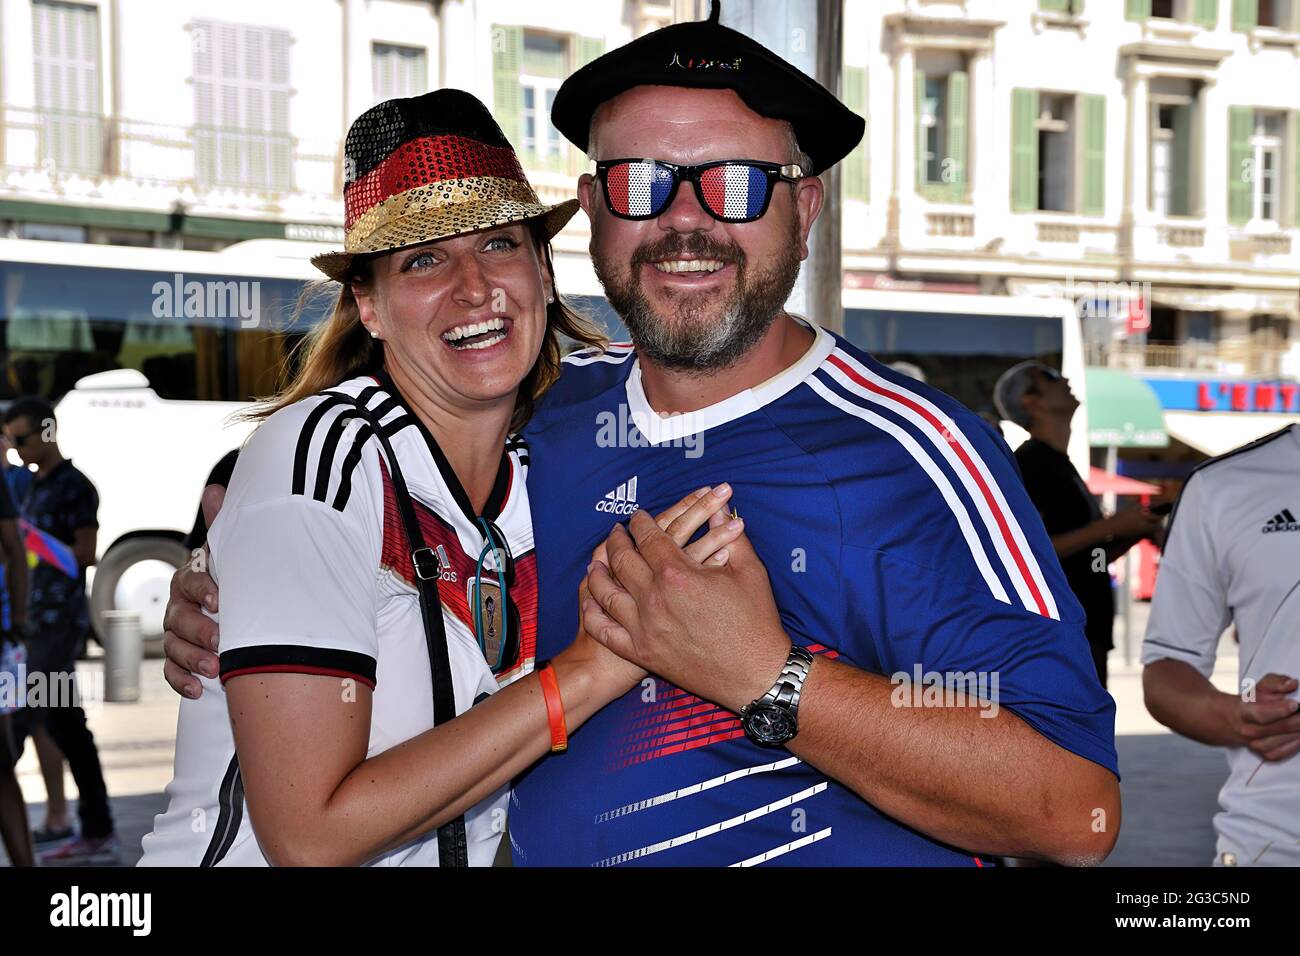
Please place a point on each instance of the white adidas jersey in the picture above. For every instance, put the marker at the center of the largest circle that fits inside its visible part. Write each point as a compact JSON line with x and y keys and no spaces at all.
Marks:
{"x":1233,"y":556}
{"x":315,"y":576}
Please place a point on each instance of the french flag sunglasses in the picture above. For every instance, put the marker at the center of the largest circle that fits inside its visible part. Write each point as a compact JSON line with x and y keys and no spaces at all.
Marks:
{"x":731,"y":190}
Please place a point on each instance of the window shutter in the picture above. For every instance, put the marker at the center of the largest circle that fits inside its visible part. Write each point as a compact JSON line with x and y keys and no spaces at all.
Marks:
{"x":1094,"y":155}
{"x":1295,"y":162}
{"x":65,"y":48}
{"x":1024,"y":150}
{"x":920,"y":129}
{"x":1241,"y":122}
{"x":507,"y":95}
{"x":1137,"y":9}
{"x":958,"y":111}
{"x":1207,"y":13}
{"x":241,"y":106}
{"x":585,"y":49}
{"x":1181,"y":191}
{"x":855,"y":183}
{"x":1245,"y":14}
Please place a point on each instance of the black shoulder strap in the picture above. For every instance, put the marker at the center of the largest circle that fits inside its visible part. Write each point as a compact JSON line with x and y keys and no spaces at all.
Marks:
{"x":453,"y":847}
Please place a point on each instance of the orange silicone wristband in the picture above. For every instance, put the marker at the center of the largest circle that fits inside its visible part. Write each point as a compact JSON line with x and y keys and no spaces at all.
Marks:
{"x":554,"y":709}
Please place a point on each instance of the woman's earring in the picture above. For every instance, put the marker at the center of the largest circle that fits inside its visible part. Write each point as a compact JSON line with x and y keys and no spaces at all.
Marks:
{"x":550,"y":300}
{"x":374,"y":334}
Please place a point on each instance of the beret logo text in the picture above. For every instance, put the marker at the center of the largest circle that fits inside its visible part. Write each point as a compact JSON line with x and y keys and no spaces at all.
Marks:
{"x":700,"y":63}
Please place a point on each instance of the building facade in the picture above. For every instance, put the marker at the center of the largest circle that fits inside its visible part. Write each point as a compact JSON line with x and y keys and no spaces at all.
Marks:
{"x":1141,"y":157}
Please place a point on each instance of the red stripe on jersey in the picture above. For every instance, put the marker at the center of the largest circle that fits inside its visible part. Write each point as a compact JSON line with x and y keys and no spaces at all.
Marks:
{"x":970,"y":468}
{"x":453,"y":581}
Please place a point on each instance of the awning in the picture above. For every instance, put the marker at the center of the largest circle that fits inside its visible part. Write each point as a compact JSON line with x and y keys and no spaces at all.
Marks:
{"x":1213,"y":433}
{"x":1101,"y":482}
{"x":1123,"y":411}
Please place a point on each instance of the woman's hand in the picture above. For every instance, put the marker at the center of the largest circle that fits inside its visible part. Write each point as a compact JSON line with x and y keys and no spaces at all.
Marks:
{"x":611,"y":675}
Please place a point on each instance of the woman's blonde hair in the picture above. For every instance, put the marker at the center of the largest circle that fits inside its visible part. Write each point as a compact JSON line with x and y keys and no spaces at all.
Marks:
{"x":341,"y":348}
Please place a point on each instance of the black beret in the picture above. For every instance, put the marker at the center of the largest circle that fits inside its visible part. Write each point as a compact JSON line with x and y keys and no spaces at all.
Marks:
{"x":707,"y":55}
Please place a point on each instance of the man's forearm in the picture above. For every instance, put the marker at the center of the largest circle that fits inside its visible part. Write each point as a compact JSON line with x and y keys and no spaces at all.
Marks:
{"x":1185,"y":701}
{"x":992,"y":785}
{"x":1072,"y":542}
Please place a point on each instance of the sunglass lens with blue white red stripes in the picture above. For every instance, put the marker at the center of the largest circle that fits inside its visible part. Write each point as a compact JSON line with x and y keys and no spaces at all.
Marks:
{"x":730,"y":190}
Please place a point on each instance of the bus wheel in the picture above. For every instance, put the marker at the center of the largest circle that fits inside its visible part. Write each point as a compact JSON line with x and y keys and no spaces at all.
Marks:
{"x":136,"y":575}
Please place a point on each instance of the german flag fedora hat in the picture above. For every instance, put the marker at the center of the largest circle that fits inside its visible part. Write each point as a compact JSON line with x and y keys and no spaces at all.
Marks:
{"x":430,"y":167}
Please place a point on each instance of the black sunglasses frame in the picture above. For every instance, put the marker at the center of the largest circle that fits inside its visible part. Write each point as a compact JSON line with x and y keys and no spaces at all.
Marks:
{"x":775,"y":172}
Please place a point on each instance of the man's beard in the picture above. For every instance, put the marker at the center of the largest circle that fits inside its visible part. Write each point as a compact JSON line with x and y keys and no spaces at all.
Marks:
{"x":689,"y":340}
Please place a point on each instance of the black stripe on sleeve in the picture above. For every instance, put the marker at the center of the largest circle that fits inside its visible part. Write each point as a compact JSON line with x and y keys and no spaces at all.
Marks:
{"x":304,"y":441}
{"x":297,"y":659}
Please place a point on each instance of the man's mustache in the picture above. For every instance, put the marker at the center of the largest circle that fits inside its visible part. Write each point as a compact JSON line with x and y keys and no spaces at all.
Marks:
{"x":696,"y":244}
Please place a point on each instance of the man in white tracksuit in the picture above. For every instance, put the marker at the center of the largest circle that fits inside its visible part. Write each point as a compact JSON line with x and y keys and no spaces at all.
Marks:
{"x":1233,"y":556}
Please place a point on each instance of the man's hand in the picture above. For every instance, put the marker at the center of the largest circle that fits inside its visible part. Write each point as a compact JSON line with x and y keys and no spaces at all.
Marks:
{"x":711,"y":630}
{"x":1270,"y":725}
{"x":189,"y":636}
{"x":1135,"y":523}
{"x":680,"y":522}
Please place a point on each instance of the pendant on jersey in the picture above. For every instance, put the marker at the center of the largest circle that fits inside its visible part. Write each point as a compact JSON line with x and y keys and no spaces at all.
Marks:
{"x":485,"y":600}
{"x":496,"y":628}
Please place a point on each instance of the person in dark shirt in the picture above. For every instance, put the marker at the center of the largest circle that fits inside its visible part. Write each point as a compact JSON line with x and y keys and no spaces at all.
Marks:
{"x":62,"y":502}
{"x":1038,"y":399}
{"x":14,"y":833}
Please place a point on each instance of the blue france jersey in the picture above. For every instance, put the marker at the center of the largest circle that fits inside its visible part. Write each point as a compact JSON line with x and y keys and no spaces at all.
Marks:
{"x":898,"y":539}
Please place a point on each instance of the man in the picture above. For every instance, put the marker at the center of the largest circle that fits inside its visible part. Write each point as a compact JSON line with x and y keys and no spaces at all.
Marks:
{"x":1232,"y":555}
{"x":62,"y":502}
{"x":1039,"y":400}
{"x":14,"y":833}
{"x":879,"y":563}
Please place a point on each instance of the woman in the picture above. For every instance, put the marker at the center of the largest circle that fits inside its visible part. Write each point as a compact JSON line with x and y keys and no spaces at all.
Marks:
{"x":374,"y":550}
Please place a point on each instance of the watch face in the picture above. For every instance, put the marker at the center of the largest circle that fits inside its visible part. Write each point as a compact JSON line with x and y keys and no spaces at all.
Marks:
{"x":769,"y":725}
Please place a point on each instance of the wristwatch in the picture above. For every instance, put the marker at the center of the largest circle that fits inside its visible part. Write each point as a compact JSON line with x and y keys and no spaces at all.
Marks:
{"x":773,"y":719}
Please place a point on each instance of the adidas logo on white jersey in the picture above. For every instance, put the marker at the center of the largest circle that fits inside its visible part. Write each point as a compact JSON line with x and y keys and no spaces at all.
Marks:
{"x":620,"y":501}
{"x":1282,"y":521}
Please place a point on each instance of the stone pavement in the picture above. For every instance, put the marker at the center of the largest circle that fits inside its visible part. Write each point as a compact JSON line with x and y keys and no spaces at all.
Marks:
{"x":1170,"y":784}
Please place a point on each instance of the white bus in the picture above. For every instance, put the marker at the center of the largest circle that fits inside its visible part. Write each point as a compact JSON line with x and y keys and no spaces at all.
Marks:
{"x":148,"y":378}
{"x":147,"y":353}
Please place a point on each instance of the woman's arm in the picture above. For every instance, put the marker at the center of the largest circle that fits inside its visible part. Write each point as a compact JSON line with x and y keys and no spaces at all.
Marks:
{"x":315,"y":799}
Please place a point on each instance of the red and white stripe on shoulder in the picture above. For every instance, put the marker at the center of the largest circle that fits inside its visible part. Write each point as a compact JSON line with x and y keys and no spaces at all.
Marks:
{"x":614,"y":353}
{"x":944,"y":437}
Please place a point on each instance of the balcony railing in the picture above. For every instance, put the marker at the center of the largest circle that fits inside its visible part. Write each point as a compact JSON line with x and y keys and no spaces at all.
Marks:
{"x":58,"y":146}
{"x":1241,"y":356}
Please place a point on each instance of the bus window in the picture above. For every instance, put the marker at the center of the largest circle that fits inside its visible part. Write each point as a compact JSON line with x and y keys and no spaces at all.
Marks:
{"x":960,"y":354}
{"x":228,"y":342}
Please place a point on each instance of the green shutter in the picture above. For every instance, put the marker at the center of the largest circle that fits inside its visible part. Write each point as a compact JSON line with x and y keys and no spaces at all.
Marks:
{"x":585,"y":49}
{"x":955,"y":135}
{"x":1061,"y":6}
{"x":854,"y":173}
{"x":1241,"y":122}
{"x":1207,"y":13}
{"x":1024,"y":150}
{"x":588,"y":49}
{"x":1180,"y":199}
{"x":1137,"y":9}
{"x":1094,"y":155}
{"x":1245,"y":14}
{"x":920,"y":130}
{"x":507,"y":94}
{"x":1295,"y":162}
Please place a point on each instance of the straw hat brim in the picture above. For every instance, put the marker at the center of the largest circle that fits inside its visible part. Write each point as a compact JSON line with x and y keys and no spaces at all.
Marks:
{"x":444,"y":223}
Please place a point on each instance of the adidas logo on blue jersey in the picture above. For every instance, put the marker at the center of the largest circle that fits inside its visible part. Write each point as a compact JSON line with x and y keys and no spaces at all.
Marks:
{"x":620,"y":501}
{"x":1282,"y":521}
